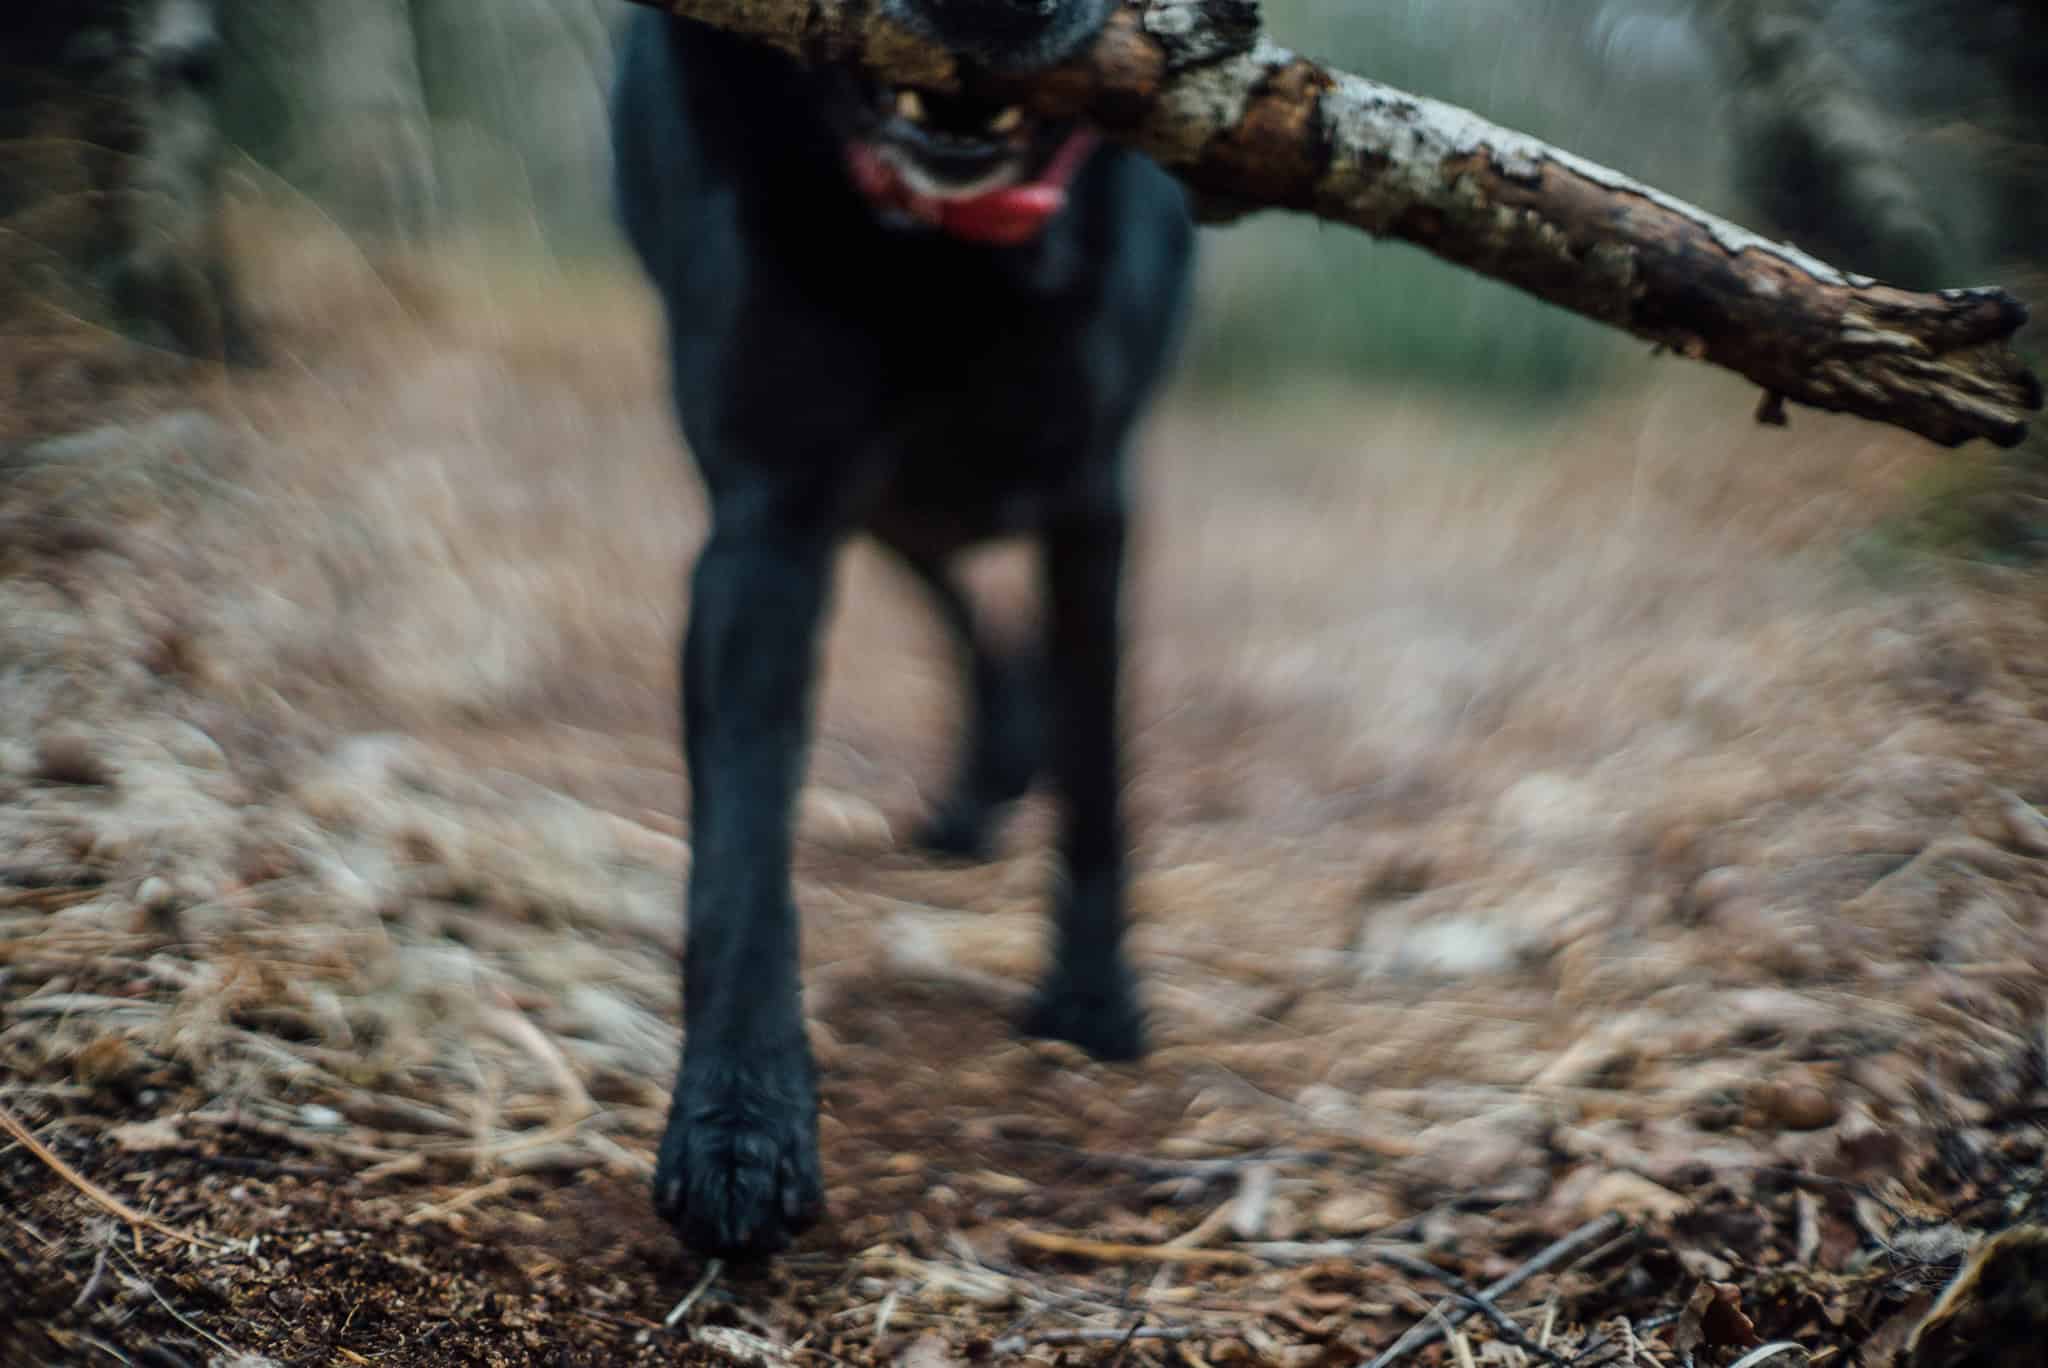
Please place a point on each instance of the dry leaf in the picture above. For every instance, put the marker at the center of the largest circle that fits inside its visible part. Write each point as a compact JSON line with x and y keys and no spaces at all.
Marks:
{"x":927,"y":1351}
{"x":1355,"y":1213}
{"x":143,"y":1137}
{"x":1713,"y":1319}
{"x":1632,"y":1196}
{"x":1794,"y":1103}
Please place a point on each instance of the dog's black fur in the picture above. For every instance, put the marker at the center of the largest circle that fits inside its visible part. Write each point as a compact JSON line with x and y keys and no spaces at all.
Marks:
{"x":837,"y":370}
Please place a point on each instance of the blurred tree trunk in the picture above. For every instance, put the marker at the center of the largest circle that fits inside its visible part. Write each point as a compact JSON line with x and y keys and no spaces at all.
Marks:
{"x":1825,"y":162}
{"x":1946,"y":102}
{"x":1909,"y":138}
{"x":519,"y":113}
{"x":109,"y":162}
{"x":402,"y":120}
{"x":328,"y":98}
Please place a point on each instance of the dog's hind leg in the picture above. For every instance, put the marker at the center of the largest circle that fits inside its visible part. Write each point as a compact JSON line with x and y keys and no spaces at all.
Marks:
{"x":1004,"y":739}
{"x":738,"y":1167}
{"x":1089,"y":995}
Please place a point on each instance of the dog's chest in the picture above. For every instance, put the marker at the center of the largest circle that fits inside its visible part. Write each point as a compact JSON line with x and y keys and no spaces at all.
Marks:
{"x":990,"y":415}
{"x":969,"y":480}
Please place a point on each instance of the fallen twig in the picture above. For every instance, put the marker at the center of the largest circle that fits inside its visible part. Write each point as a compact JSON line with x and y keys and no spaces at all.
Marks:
{"x":92,"y":1284}
{"x":1153,"y":1166}
{"x":98,"y":1195}
{"x":137,"y":1278}
{"x":461,"y":1201}
{"x":1123,"y":1346}
{"x":1107,"y":1251}
{"x":47,"y":899}
{"x":682,"y":1308}
{"x":1584,"y":1358}
{"x":517,"y":1029}
{"x":1017,"y":1344}
{"x":1247,"y":1211}
{"x":1549,"y":1257}
{"x":1473,"y":1297}
{"x":299,"y":1137}
{"x":1308,"y":1251}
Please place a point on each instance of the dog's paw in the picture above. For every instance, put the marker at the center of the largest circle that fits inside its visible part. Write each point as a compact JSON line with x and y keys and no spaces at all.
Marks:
{"x":738,"y":1173}
{"x":1097,"y":1011}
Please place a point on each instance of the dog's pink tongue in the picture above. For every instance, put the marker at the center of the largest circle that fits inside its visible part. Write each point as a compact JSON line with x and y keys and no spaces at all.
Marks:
{"x":1004,"y":217}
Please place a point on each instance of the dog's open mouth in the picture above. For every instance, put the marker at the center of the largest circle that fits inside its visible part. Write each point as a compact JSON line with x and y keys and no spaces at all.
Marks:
{"x":990,"y":174}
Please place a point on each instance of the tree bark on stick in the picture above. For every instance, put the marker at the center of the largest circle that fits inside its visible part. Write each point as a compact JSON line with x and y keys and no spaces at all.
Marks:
{"x":1248,"y":125}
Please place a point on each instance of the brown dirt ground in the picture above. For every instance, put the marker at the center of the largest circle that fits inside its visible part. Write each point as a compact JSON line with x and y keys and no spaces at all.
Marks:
{"x":1615,"y":815}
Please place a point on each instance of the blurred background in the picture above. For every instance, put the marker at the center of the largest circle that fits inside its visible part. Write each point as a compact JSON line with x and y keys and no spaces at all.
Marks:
{"x":1895,"y":136}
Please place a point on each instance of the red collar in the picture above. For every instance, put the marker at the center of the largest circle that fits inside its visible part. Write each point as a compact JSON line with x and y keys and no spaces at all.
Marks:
{"x":1008,"y":217}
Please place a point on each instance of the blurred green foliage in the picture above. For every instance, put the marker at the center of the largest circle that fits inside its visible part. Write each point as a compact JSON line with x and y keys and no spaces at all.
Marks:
{"x":1287,"y":298}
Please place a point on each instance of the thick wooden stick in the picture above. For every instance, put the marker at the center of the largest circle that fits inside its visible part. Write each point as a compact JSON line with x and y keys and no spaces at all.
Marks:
{"x":1251,"y":125}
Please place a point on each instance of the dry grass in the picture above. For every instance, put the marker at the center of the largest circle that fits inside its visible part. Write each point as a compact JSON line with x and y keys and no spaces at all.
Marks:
{"x":1505,"y":788}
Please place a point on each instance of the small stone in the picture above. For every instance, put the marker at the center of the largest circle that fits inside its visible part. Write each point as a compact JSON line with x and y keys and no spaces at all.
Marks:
{"x":2025,"y":828}
{"x":316,"y":1117}
{"x":841,"y":821}
{"x":1633,"y":1196}
{"x":1354,"y":1213}
{"x":145,"y":1137}
{"x":157,"y":905}
{"x":1794,"y":1104}
{"x":1714,"y":889}
{"x":189,"y":745}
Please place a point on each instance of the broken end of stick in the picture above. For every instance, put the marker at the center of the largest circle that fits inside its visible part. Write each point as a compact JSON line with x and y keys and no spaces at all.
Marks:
{"x":1941,"y":365}
{"x":1989,"y":388}
{"x":1952,"y":399}
{"x":2033,"y":405}
{"x":2010,"y":392}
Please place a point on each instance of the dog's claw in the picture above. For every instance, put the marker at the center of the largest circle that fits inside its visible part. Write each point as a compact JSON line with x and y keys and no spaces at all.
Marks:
{"x":799,"y":1206}
{"x":738,"y":1172}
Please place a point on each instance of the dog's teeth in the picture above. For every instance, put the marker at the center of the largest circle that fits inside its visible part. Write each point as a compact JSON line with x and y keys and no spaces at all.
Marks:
{"x":1008,"y":120}
{"x":910,"y":105}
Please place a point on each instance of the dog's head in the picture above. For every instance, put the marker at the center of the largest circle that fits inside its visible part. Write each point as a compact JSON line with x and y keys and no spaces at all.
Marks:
{"x":984,"y":172}
{"x":1005,"y":35}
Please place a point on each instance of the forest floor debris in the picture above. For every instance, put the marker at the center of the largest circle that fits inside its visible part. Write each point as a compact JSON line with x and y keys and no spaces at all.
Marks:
{"x":1616,"y":832}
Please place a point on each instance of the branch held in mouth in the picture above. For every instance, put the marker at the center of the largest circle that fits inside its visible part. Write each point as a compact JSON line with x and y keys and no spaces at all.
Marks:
{"x":1249,"y":125}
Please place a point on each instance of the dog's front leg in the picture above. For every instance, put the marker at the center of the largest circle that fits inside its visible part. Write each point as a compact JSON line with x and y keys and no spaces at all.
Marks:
{"x":1088,"y":996}
{"x":738,"y":1171}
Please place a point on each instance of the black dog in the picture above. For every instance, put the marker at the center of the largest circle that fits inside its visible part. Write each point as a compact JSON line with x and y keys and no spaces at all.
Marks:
{"x":936,"y":323}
